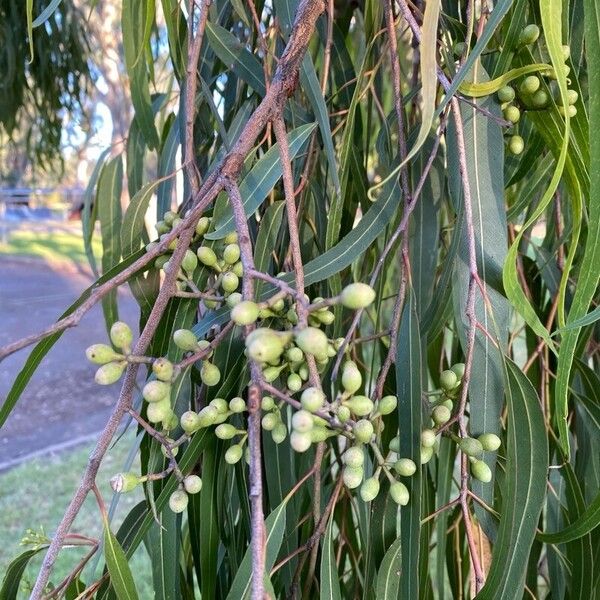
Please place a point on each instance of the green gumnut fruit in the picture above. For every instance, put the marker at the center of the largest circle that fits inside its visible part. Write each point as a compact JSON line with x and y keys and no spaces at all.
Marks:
{"x":440,"y":415}
{"x":459,"y":370}
{"x":265,"y":345}
{"x":231,"y":254}
{"x":267,"y":403}
{"x":395,"y":444}
{"x":540,"y":99}
{"x":270,"y":374}
{"x":352,"y":476}
{"x":124,"y":482}
{"x":325,"y":317}
{"x":238,"y":269}
{"x":185,"y":340}
{"x":110,"y":373}
{"x":343,"y":414}
{"x":189,"y":262}
{"x":158,"y":411}
{"x":490,"y":442}
{"x":459,"y":48}
{"x":294,"y":354}
{"x":206,"y":256}
{"x":237,"y":405}
{"x":512,"y":113}
{"x":230,"y":282}
{"x":312,"y":341}
{"x":399,"y":493}
{"x":300,"y":441}
{"x":279,"y":432}
{"x":471,"y":447}
{"x":426,"y":454}
{"x":405,"y":467}
{"x":225,"y":431}
{"x":481,"y":471}
{"x":220,"y":404}
{"x":178,"y":501}
{"x":244,"y":312}
{"x":448,"y":380}
{"x":121,"y":335}
{"x":231,"y":238}
{"x":530,"y":85}
{"x":170,"y":422}
{"x":516,"y":145}
{"x":369,"y":489}
{"x":233,"y":454}
{"x":190,"y":422}
{"x":428,"y":438}
{"x":202,"y":225}
{"x":319,"y":434}
{"x":163,"y":369}
{"x":294,"y":382}
{"x":529,"y":35}
{"x":270,"y":421}
{"x":354,"y":457}
{"x":387,"y":405}
{"x":192,"y":484}
{"x":351,"y":377}
{"x":208,"y":416}
{"x":161,"y":261}
{"x":233,"y":299}
{"x":303,"y":371}
{"x":162,"y":228}
{"x":357,"y":295}
{"x":312,"y":399}
{"x":363,"y":431}
{"x":210,"y":374}
{"x":100,"y":354}
{"x":302,"y":421}
{"x":572,"y":97}
{"x":155,"y":391}
{"x":569,"y":110}
{"x":359,"y":405}
{"x":506,"y":94}
{"x":169,"y":217}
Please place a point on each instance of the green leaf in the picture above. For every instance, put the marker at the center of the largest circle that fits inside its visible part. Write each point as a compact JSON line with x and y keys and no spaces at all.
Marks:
{"x":45,"y":14}
{"x":29,"y":13}
{"x":108,"y":200}
{"x":524,"y":489}
{"x":11,"y":581}
{"x":275,"y":527}
{"x":587,"y":522}
{"x":330,"y":584}
{"x":261,"y":179}
{"x":486,"y":88}
{"x":118,"y":567}
{"x":390,"y":572}
{"x":266,"y":240}
{"x":409,"y":384}
{"x":163,"y":544}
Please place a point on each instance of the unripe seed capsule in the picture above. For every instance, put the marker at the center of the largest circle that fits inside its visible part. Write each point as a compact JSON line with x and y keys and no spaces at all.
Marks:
{"x":233,"y":454}
{"x":124,"y":482}
{"x":312,"y":341}
{"x":220,"y":404}
{"x":185,"y":340}
{"x":233,"y":299}
{"x":570,"y":110}
{"x":225,"y":431}
{"x":343,"y":414}
{"x":481,"y":471}
{"x":506,"y":94}
{"x":471,"y":447}
{"x":540,"y":99}
{"x":303,"y":371}
{"x":244,"y":313}
{"x":190,"y":422}
{"x":405,"y":467}
{"x":202,"y":225}
{"x":530,"y":85}
{"x":357,"y":295}
{"x":512,"y":114}
{"x":428,"y":438}
{"x":354,"y":457}
{"x":100,"y":354}
{"x":267,"y":403}
{"x":294,"y":354}
{"x":326,"y":317}
{"x":163,"y":369}
{"x":269,"y":421}
{"x":369,"y":489}
{"x":351,"y":377}
{"x":169,"y":217}
{"x":178,"y":501}
{"x":302,"y":421}
{"x":426,"y":454}
{"x":171,"y":422}
{"x":231,"y":254}
{"x":210,"y":374}
{"x":265,"y":345}
{"x":352,"y":476}
{"x":162,"y":228}
{"x":121,"y":335}
{"x":231,"y":238}
{"x":207,"y":416}
{"x":572,"y":96}
{"x":319,"y":434}
{"x":155,"y":391}
{"x":395,"y":444}
{"x":238,"y":269}
{"x":490,"y":442}
{"x":230,"y":282}
{"x":294,"y":382}
{"x":279,"y":432}
{"x":363,"y":431}
{"x":387,"y":405}
{"x":312,"y":399}
{"x":440,"y":415}
{"x":189,"y":262}
{"x":158,"y":411}
{"x":448,"y":380}
{"x":270,"y":374}
{"x":516,"y":144}
{"x":399,"y":493}
{"x":529,"y":35}
{"x":237,"y":405}
{"x":110,"y":373}
{"x":207,"y":256}
{"x":299,"y":441}
{"x":359,"y":405}
{"x":192,"y":484}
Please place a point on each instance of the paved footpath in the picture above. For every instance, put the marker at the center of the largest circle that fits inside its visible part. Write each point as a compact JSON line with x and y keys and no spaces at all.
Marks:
{"x":61,"y":404}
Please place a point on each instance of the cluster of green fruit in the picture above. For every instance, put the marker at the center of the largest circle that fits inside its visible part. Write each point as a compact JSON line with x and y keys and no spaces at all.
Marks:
{"x":222,"y":258}
{"x":531,"y":94}
{"x":112,"y":363}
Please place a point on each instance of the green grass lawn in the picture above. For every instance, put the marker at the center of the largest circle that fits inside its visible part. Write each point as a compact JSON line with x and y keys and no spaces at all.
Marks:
{"x":60,"y":242}
{"x":35,"y":494}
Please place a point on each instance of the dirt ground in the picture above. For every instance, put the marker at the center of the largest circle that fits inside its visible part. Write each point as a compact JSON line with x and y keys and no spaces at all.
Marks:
{"x":61,"y":402}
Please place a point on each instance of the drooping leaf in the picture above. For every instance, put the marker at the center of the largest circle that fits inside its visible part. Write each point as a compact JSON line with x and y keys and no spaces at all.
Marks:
{"x":118,"y":567}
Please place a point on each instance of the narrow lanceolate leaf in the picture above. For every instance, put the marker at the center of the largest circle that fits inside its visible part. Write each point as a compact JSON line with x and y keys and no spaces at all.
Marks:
{"x":408,"y":384}
{"x":589,"y":273}
{"x":485,"y":88}
{"x":11,"y":582}
{"x":118,"y":567}
{"x":523,"y":490}
{"x":275,"y":527}
{"x":390,"y":572}
{"x":260,"y":180}
{"x":485,"y":172}
{"x":108,"y":199}
{"x":163,"y":544}
{"x":587,"y":522}
{"x":330,"y":579}
{"x":46,"y":13}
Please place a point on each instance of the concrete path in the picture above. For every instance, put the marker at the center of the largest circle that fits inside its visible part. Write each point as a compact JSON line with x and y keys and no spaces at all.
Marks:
{"x":61,"y":402}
